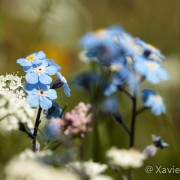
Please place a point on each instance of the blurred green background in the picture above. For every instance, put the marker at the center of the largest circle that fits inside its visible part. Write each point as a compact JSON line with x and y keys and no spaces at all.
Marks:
{"x":55,"y":26}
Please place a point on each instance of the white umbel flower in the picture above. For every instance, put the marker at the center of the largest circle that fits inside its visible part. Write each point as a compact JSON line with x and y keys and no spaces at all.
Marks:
{"x":13,"y":106}
{"x":34,"y":170}
{"x":126,"y":158}
{"x":27,"y":165}
{"x":92,"y":169}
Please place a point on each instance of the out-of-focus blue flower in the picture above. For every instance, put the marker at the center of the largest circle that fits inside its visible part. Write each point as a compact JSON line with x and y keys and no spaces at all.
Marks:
{"x":158,"y":142}
{"x":61,"y":82}
{"x":40,"y":95}
{"x":101,"y":45}
{"x":126,"y":44}
{"x":118,"y":78}
{"x":32,"y":59}
{"x":110,"y":105}
{"x":54,"y":112}
{"x":40,"y":73}
{"x":149,"y":51}
{"x":87,"y":79}
{"x":52,"y":131}
{"x":153,"y":101}
{"x":52,"y":62}
{"x":151,"y":70}
{"x":110,"y":89}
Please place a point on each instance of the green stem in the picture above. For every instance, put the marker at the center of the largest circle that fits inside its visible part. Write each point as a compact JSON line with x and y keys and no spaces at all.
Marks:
{"x":119,"y":119}
{"x":126,"y":92}
{"x":36,"y":125}
{"x":5,"y":117}
{"x":141,"y":110}
{"x":133,"y":126}
{"x":133,"y":122}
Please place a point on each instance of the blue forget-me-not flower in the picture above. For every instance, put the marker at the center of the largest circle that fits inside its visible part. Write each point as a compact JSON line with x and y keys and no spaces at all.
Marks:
{"x":32,"y":59}
{"x":38,"y":77}
{"x":154,"y":101}
{"x":159,"y":142}
{"x":54,"y":112}
{"x":62,"y":82}
{"x":101,"y":45}
{"x":41,"y":97}
{"x":52,"y":62}
{"x":126,"y":61}
{"x":151,"y":70}
{"x":124,"y":56}
{"x":41,"y":73}
{"x":149,"y":51}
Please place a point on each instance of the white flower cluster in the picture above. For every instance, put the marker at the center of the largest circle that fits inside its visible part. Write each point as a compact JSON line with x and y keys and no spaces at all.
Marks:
{"x":92,"y":169}
{"x":34,"y":170}
{"x":29,"y":154}
{"x":11,"y":83}
{"x":27,"y":166}
{"x":13,"y":106}
{"x":126,"y":158}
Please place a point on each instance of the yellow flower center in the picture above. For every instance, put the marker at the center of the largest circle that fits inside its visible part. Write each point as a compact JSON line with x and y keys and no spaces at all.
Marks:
{"x":41,"y":93}
{"x":115,"y":67}
{"x":100,"y":32}
{"x":40,"y":69}
{"x":152,"y":65}
{"x":151,"y":46}
{"x":31,"y":58}
{"x":129,"y":60}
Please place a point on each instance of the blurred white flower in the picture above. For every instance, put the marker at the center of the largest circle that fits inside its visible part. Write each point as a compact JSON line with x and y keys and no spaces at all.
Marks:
{"x":30,"y":169}
{"x":102,"y":177}
{"x":92,"y":169}
{"x":29,"y":154}
{"x":27,"y":166}
{"x":126,"y":158}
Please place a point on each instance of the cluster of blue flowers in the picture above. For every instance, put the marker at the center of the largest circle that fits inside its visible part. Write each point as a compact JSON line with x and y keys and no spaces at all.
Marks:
{"x":128,"y":61}
{"x":39,"y":70}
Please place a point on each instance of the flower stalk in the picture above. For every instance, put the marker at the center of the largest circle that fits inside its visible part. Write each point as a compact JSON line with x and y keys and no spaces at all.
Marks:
{"x":36,"y":126}
{"x":133,"y":122}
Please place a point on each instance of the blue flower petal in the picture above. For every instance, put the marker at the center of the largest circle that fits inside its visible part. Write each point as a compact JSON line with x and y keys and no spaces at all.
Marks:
{"x":31,"y":77}
{"x":45,"y":103}
{"x":51,"y":94}
{"x":164,"y":74}
{"x":67,"y":90}
{"x":37,"y":61}
{"x":29,"y":87}
{"x":152,"y":78}
{"x":59,"y":76}
{"x":20,"y":60}
{"x":51,"y":70}
{"x":55,"y":111}
{"x":41,"y":55}
{"x":33,"y":100}
{"x":44,"y":63}
{"x":38,"y":86}
{"x":52,"y":62}
{"x":27,"y":68}
{"x":153,"y":101}
{"x":24,"y":62}
{"x":45,"y":79}
{"x":42,"y":86}
{"x":112,"y":88}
